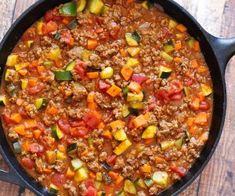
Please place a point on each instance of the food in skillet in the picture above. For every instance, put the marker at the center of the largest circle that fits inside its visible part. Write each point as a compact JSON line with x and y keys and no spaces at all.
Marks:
{"x":106,"y":98}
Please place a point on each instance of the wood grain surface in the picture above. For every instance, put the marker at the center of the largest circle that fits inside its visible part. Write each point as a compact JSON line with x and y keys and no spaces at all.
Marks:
{"x":218,"y":18}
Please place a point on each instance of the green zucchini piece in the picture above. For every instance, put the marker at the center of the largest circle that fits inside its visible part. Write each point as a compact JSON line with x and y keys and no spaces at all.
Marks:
{"x":141,"y":184}
{"x":53,"y":189}
{"x":166,"y":57}
{"x":24,"y":83}
{"x":191,"y":42}
{"x":96,"y":6}
{"x":133,"y":38}
{"x":48,"y":64}
{"x":206,"y":90}
{"x":81,"y":4}
{"x":9,"y":74}
{"x":63,"y":75}
{"x":129,"y":187}
{"x":69,"y":9}
{"x":125,"y":111}
{"x":165,"y":72}
{"x":97,"y":185}
{"x":134,"y":112}
{"x":73,"y":24}
{"x":161,"y":178}
{"x":121,"y":193}
{"x":77,"y":164}
{"x":11,"y":89}
{"x":179,"y":142}
{"x":120,"y":135}
{"x":125,"y":90}
{"x":187,"y":91}
{"x":57,"y":36}
{"x":149,"y":132}
{"x":167,"y":144}
{"x":29,"y":43}
{"x":56,"y":132}
{"x":40,"y":103}
{"x":101,"y":193}
{"x":3,"y":100}
{"x":16,"y":147}
{"x":146,"y":5}
{"x":81,"y":175}
{"x":72,"y":148}
{"x":70,"y":66}
{"x":168,"y":48}
{"x":172,"y":24}
{"x":148,"y":182}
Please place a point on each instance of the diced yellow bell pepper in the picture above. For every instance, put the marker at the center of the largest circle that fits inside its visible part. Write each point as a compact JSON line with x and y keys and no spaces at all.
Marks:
{"x":132,"y":62}
{"x":121,"y":148}
{"x":161,"y":178}
{"x":131,"y":97}
{"x":21,"y":66}
{"x":133,"y":51}
{"x":54,"y":54}
{"x":120,"y":135}
{"x":206,"y":89}
{"x":117,"y":124}
{"x":81,"y":175}
{"x":12,"y":60}
{"x":149,"y":132}
{"x":24,"y":83}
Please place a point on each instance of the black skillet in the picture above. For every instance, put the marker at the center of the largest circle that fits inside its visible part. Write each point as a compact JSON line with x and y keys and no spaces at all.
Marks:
{"x":217,"y":53}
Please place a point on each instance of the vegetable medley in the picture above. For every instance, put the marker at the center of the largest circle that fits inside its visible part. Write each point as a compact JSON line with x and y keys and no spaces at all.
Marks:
{"x":106,"y":98}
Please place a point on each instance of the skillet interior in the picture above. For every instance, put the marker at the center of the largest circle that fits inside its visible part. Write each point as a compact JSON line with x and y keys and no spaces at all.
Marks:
{"x":175,"y":11}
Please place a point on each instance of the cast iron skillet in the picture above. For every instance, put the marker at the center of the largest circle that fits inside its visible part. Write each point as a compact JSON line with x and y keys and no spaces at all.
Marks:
{"x":217,"y":53}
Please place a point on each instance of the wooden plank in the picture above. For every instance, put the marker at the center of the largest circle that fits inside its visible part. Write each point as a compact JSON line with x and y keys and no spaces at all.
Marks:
{"x":218,"y":177}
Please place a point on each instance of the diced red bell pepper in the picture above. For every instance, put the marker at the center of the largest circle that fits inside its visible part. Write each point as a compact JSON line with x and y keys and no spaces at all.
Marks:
{"x":181,"y":171}
{"x":58,"y":179}
{"x":103,"y":86}
{"x":91,"y":191}
{"x":92,"y":119}
{"x":7,"y":118}
{"x":49,"y":27}
{"x":27,"y":162}
{"x":80,"y":69}
{"x":162,"y":95}
{"x":111,"y":159}
{"x":64,"y":125}
{"x":79,"y":131}
{"x":139,"y":78}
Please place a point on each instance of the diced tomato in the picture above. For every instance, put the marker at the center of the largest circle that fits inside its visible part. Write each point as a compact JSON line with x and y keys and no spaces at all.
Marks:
{"x":115,"y":30}
{"x":58,"y":179}
{"x":176,"y":86}
{"x":80,"y":69}
{"x":188,"y":81}
{"x":67,"y":37}
{"x":27,"y":162}
{"x":104,"y":36}
{"x":36,"y":89}
{"x":36,"y":148}
{"x":89,"y":182}
{"x":181,"y":171}
{"x":64,"y":125}
{"x":139,"y":78}
{"x":7,"y":117}
{"x":176,"y":96}
{"x":79,"y":132}
{"x":52,"y":15}
{"x":22,"y":112}
{"x":108,"y":116}
{"x":162,"y":95}
{"x":111,"y":159}
{"x":103,"y":86}
{"x":91,"y":191}
{"x":204,"y":105}
{"x":130,"y":123}
{"x":92,"y":119}
{"x":76,"y":123}
{"x":49,"y":27}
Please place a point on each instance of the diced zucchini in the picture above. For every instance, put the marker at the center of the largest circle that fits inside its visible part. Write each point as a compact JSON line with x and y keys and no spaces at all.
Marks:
{"x":187,"y":91}
{"x":166,"y":57}
{"x":12,"y":60}
{"x":50,"y":156}
{"x":165,"y":72}
{"x":141,"y":184}
{"x":133,"y":51}
{"x":179,"y":142}
{"x":81,"y":4}
{"x":191,"y":42}
{"x":3,"y":100}
{"x":72,"y":148}
{"x":53,"y":189}
{"x":48,"y":64}
{"x":63,"y":75}
{"x":57,"y":36}
{"x":167,"y":144}
{"x":24,"y":83}
{"x":106,"y":166}
{"x":172,"y":24}
{"x":161,"y":178}
{"x":134,"y":112}
{"x":54,"y":54}
{"x":146,"y":5}
{"x":132,"y":62}
{"x":129,"y":187}
{"x":69,"y":9}
{"x":168,"y":48}
{"x":77,"y":164}
{"x":16,"y":147}
{"x":73,"y":24}
{"x":81,"y":175}
{"x":101,"y":193}
{"x":106,"y":73}
{"x":9,"y":74}
{"x":149,"y":132}
{"x":70,"y":66}
{"x":121,"y":193}
{"x":56,"y":132}
{"x":40,"y":103}
{"x":99,"y":176}
{"x":148,"y":182}
{"x":11,"y":89}
{"x":96,"y":6}
{"x":39,"y":26}
{"x":137,"y":105}
{"x":97,"y":184}
{"x":120,"y":135}
{"x":131,"y":97}
{"x":121,"y":148}
{"x":132,"y":39}
{"x":125,"y":111}
{"x":29,"y":43}
{"x":21,"y":66}
{"x":206,"y":90}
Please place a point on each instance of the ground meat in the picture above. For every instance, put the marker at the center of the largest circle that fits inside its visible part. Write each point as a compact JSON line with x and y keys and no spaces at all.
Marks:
{"x":141,"y":193}
{"x":103,"y":100}
{"x":128,"y":171}
{"x":120,"y":163}
{"x":153,"y":190}
{"x":94,"y":166}
{"x":103,"y":156}
{"x":71,"y":188}
{"x":75,"y":52}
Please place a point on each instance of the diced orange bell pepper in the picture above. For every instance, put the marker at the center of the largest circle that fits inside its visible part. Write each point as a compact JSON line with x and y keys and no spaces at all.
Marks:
{"x":194,"y":63}
{"x":37,"y":133}
{"x":107,"y":134}
{"x":92,"y":75}
{"x":31,"y":123}
{"x":117,"y":124}
{"x":159,"y":160}
{"x":201,"y":119}
{"x":113,"y":175}
{"x":135,"y":87}
{"x":20,"y":129}
{"x":92,"y":44}
{"x":114,"y":90}
{"x":16,"y":117}
{"x":196,"y":46}
{"x":195,"y":104}
{"x":181,"y":28}
{"x":52,"y":110}
{"x":119,"y":180}
{"x":178,"y":45}
{"x":126,"y":72}
{"x":146,"y":168}
{"x":140,"y":121}
{"x":70,"y":173}
{"x":32,"y":82}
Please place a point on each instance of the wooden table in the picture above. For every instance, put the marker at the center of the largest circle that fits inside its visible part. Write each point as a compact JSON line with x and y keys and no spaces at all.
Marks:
{"x":216,"y":16}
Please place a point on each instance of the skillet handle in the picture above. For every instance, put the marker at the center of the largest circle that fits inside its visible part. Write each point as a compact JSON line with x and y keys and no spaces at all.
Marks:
{"x":224,"y":49}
